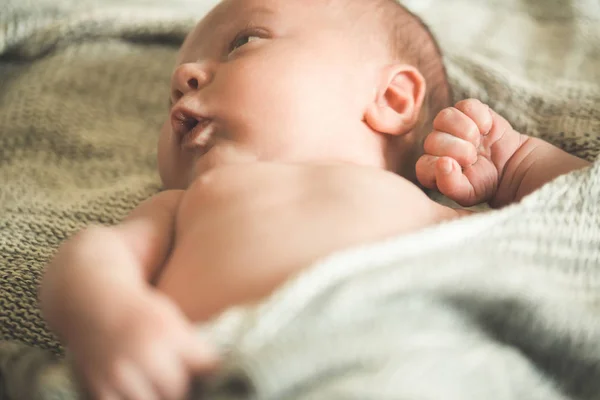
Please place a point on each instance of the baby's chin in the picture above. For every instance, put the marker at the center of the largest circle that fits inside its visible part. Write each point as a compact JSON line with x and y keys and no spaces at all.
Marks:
{"x":221,"y":154}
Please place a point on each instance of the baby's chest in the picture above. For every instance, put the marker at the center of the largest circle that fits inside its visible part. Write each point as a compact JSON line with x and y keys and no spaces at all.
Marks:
{"x":266,"y":227}
{"x":231,"y":199}
{"x":254,"y":210}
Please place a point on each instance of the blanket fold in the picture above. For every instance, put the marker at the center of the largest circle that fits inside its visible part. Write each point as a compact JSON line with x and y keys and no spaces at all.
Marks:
{"x":514,"y":317}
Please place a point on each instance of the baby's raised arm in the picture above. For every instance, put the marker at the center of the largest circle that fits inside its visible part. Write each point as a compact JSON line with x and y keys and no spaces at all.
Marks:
{"x":474,"y":156}
{"x":98,"y":264}
{"x":535,"y":163}
{"x":126,"y":339}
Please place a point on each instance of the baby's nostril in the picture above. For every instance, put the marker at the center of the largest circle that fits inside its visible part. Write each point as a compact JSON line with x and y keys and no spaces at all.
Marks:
{"x":193,"y":83}
{"x":190,"y":123}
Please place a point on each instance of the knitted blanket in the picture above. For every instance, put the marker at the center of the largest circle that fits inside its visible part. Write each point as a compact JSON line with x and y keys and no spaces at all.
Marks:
{"x":498,"y":305}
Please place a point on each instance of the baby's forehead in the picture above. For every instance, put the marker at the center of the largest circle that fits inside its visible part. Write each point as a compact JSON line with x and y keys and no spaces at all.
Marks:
{"x":227,"y":11}
{"x":229,"y":15}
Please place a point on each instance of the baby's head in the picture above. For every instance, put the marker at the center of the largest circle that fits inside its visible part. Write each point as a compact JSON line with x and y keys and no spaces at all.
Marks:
{"x":323,"y":81}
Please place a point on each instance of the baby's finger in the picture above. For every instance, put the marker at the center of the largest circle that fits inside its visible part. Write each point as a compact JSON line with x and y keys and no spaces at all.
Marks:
{"x":456,"y":123}
{"x":168,"y":376}
{"x":425,"y":169}
{"x":131,"y":384}
{"x":442,"y":144}
{"x":477,"y":112}
{"x":199,"y":355}
{"x":452,"y":183}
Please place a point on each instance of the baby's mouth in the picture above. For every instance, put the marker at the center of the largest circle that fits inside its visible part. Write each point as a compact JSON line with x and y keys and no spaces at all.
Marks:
{"x":193,"y":132}
{"x":198,"y":135}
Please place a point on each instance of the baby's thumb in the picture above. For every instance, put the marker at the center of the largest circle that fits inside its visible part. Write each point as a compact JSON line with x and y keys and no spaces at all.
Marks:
{"x":452,"y":183}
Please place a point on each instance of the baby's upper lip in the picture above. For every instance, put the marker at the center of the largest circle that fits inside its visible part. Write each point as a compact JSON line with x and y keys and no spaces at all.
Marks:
{"x":184,"y":119}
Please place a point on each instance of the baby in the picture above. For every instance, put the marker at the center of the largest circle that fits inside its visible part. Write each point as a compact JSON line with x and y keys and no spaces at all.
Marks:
{"x":290,"y":127}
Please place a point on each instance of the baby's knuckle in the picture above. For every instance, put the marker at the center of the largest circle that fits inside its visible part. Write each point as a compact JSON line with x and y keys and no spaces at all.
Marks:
{"x":429,"y":143}
{"x":473,"y":133}
{"x":472,"y":153}
{"x":468,"y":104}
{"x":443,"y":116}
{"x":449,"y":112}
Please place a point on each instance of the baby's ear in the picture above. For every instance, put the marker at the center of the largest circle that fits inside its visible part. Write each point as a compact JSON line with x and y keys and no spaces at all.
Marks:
{"x":398,"y":100}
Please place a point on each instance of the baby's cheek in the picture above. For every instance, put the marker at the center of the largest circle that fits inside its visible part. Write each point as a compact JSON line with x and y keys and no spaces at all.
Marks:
{"x":166,"y":165}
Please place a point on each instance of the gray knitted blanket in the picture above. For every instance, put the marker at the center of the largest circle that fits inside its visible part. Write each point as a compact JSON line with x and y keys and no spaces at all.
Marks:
{"x":502,"y":305}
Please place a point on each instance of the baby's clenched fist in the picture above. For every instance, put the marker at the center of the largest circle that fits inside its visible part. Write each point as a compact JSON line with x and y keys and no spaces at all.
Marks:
{"x":465,"y":155}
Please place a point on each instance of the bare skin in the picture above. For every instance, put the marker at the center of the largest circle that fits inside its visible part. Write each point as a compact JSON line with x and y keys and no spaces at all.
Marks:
{"x":275,"y":155}
{"x":475,"y":156}
{"x":237,"y":233}
{"x":244,"y":229}
{"x":234,"y":236}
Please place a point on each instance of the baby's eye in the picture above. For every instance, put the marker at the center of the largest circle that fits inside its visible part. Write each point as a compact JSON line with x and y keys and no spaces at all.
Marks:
{"x":242,"y":40}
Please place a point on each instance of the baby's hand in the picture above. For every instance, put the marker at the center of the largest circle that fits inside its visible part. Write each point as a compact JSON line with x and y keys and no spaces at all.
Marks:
{"x":147,"y":351}
{"x":467,"y":152}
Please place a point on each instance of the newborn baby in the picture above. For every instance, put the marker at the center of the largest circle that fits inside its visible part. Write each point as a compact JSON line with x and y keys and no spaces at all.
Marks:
{"x":291,"y":126}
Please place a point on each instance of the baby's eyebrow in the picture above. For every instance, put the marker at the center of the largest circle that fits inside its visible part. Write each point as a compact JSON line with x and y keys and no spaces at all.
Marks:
{"x":260,"y":10}
{"x":242,"y":13}
{"x":249,"y":14}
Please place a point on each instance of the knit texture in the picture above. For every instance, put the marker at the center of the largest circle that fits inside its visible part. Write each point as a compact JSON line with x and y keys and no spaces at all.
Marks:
{"x":83,"y":90}
{"x":494,"y":306}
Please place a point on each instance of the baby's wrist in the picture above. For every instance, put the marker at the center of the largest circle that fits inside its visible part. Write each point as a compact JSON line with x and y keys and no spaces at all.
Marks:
{"x":512,"y":175}
{"x":108,"y":305}
{"x":534,"y":163}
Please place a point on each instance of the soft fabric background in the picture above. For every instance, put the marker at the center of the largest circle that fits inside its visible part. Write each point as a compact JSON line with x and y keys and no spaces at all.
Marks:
{"x":83,"y":90}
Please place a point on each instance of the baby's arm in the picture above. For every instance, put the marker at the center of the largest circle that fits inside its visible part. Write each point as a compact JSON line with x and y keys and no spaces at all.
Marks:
{"x":535,"y":163}
{"x":474,"y":155}
{"x":126,"y":339}
{"x":101,"y":261}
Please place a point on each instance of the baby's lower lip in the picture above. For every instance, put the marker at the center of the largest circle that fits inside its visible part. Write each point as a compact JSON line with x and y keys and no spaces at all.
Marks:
{"x":199,"y":137}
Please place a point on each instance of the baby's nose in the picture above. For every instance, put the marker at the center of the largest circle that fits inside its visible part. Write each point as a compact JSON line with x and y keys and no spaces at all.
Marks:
{"x":187,"y":78}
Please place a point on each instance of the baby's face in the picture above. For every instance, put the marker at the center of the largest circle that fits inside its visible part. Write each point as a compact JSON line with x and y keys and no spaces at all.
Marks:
{"x":270,"y":80}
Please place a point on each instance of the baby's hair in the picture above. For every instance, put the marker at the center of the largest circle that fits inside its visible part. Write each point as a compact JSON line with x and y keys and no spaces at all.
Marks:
{"x":411,"y":41}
